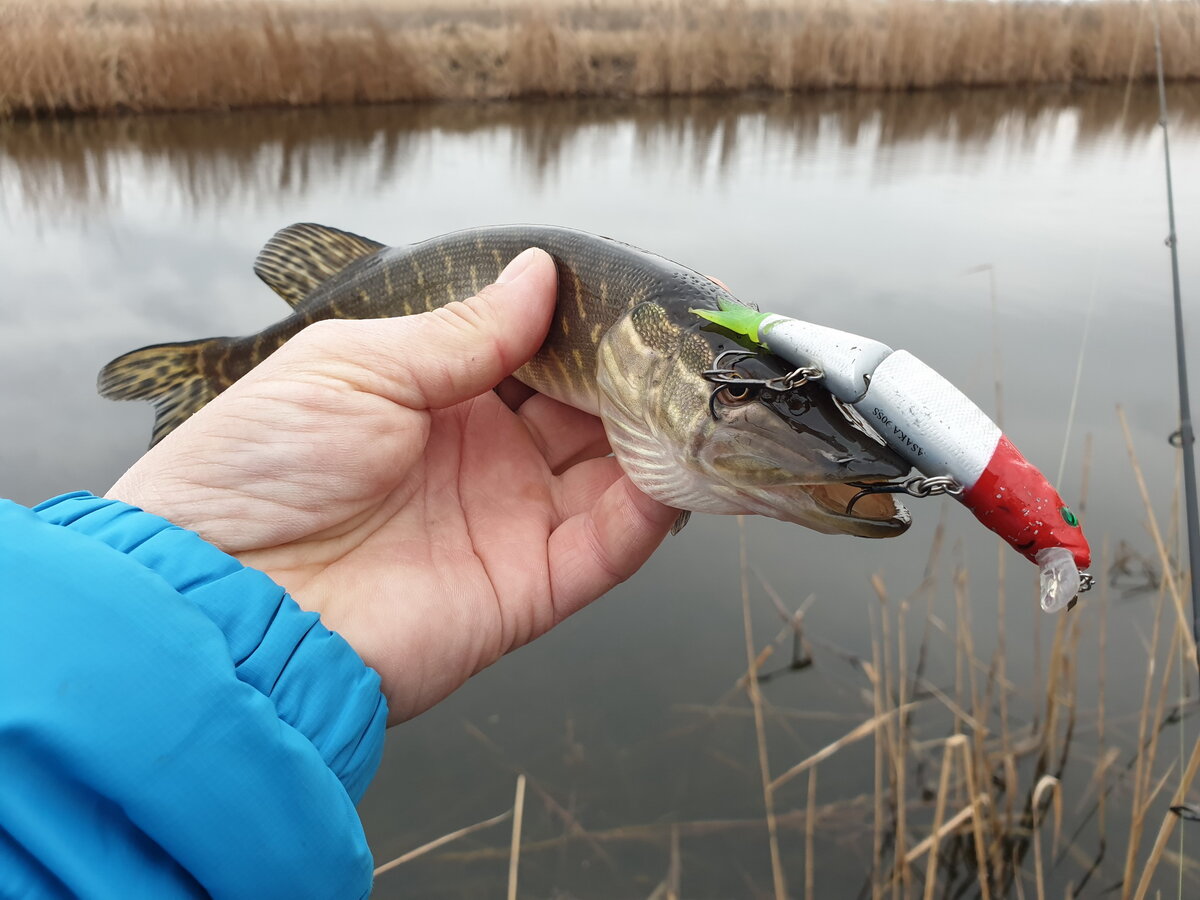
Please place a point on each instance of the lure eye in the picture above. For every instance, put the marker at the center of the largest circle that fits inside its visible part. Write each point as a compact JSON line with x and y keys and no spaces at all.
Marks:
{"x":1069,"y":517}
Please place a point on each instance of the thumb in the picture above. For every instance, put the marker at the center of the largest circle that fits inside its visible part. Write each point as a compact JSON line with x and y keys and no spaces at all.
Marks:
{"x":456,"y":352}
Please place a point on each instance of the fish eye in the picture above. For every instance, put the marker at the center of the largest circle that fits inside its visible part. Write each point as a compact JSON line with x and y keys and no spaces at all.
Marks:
{"x":1069,"y":517}
{"x":737,"y":394}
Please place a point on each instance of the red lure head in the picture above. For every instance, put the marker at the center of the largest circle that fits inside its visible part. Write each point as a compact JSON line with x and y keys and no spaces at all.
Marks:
{"x":1014,"y":499}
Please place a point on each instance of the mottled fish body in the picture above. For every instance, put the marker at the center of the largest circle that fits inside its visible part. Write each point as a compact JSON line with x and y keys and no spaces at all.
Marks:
{"x":622,"y":344}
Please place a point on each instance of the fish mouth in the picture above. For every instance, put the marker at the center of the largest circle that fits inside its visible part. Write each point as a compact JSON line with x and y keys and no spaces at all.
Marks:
{"x":839,"y":454}
{"x":824,"y":507}
{"x":872,"y":515}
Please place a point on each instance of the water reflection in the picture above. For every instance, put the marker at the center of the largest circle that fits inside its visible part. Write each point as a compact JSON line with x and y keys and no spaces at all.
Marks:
{"x":69,"y":169}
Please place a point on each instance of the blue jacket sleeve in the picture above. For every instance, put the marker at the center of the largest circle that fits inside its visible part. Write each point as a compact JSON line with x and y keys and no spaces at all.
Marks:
{"x":171,"y":722}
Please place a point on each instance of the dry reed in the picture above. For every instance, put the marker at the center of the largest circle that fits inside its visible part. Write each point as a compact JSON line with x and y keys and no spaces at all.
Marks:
{"x":1168,"y":823}
{"x":841,"y":813}
{"x":430,"y":846}
{"x":984,"y":846}
{"x":992,"y":845}
{"x":809,"y":830}
{"x":141,"y":56}
{"x":515,"y":850}
{"x":756,"y":701}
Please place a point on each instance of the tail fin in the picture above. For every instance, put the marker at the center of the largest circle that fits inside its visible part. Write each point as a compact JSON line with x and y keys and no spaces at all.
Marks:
{"x":171,"y":376}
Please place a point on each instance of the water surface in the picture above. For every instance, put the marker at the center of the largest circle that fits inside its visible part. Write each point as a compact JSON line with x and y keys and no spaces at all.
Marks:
{"x":987,"y":232}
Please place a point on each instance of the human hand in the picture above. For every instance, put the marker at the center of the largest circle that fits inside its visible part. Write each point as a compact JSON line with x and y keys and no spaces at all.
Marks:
{"x":369,"y":468}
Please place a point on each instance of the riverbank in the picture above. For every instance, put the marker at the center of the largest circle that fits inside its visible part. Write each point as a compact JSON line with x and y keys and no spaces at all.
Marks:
{"x":141,"y":56}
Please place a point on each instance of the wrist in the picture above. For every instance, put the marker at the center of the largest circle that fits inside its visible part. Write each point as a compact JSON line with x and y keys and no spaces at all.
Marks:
{"x":316,"y":681}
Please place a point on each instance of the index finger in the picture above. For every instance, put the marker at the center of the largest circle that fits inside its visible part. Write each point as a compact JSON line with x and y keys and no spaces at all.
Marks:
{"x":594,"y":551}
{"x":437,"y":359}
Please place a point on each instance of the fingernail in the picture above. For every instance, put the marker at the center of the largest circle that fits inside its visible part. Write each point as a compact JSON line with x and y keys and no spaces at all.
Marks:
{"x":518,"y":265}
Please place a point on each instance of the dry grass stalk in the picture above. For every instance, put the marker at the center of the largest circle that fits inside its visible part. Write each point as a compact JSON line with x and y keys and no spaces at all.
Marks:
{"x":957,"y":742}
{"x":894,"y":727}
{"x":1181,"y":637}
{"x":1168,"y":823}
{"x":878,"y":707}
{"x":962,"y":601}
{"x":1071,"y":693}
{"x":574,"y":828}
{"x":1049,"y":729}
{"x":869,"y":727}
{"x":895,"y":748}
{"x":995,"y":840}
{"x":759,"y":725}
{"x":1001,"y":662}
{"x":1101,"y":690}
{"x":809,"y":833}
{"x":846,"y":812}
{"x":976,"y":813}
{"x":1047,"y":783}
{"x":675,"y":869}
{"x":1164,"y":558}
{"x":961,"y":715}
{"x":977,"y":820}
{"x":954,"y":823}
{"x":756,"y":665}
{"x":959,"y":652}
{"x":976,"y":748}
{"x":514,"y":858}
{"x":1141,"y":762}
{"x":902,"y":745}
{"x":142,"y":56}
{"x":442,"y":841}
{"x":1151,"y":751}
{"x":668,"y":888}
{"x":802,"y":715}
{"x":1144,"y":760}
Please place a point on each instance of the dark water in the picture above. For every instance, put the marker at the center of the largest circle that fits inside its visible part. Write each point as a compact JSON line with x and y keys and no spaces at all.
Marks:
{"x":892,"y":216}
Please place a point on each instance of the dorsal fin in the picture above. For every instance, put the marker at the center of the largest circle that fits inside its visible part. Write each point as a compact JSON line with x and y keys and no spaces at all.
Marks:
{"x":301,"y":256}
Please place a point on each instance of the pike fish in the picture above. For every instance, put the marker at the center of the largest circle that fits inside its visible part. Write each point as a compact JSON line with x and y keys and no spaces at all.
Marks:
{"x":623,"y":345}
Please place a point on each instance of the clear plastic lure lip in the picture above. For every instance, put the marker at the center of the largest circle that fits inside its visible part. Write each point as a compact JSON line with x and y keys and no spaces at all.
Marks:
{"x":1058,"y":581}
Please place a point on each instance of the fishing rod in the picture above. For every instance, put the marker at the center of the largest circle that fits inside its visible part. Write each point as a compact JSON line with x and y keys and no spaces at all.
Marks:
{"x":1186,"y":436}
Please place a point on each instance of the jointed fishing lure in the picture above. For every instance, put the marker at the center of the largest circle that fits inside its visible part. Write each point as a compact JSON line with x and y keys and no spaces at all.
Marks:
{"x":937,"y":429}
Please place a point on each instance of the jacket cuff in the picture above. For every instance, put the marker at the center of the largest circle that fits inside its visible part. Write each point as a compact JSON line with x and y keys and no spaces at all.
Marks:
{"x":316,"y":681}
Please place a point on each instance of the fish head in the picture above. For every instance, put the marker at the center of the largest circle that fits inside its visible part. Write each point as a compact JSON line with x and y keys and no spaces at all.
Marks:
{"x":731,"y":448}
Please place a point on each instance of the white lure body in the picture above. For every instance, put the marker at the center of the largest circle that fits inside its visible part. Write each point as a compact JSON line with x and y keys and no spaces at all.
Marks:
{"x":941,"y":432}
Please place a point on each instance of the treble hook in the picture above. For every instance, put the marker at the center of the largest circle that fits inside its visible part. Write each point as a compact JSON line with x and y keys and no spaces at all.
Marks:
{"x":916,"y":486}
{"x":728,"y":374}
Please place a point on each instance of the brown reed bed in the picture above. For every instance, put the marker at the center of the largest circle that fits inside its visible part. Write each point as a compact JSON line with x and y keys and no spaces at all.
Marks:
{"x":965,"y":803}
{"x":77,"y":57}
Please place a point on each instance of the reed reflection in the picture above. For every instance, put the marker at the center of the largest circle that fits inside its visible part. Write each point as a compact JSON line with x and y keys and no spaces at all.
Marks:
{"x":73,"y":169}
